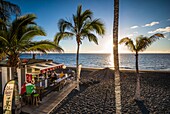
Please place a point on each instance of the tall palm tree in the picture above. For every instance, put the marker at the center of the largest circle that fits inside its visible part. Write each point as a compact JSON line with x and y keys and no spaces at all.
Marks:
{"x":82,"y":27}
{"x":141,"y":44}
{"x":7,"y":9}
{"x":116,"y":57}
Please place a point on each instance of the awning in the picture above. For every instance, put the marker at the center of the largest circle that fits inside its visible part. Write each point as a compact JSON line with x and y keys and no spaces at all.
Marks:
{"x":43,"y":67}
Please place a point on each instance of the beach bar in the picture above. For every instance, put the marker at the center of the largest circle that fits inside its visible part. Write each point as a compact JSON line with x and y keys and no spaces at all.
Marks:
{"x":29,"y":69}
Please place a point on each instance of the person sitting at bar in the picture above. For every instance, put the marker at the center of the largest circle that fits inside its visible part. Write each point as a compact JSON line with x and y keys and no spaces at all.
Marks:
{"x":61,"y":75}
{"x":23,"y":88}
{"x":30,"y":88}
{"x":53,"y":77}
{"x":56,"y":75}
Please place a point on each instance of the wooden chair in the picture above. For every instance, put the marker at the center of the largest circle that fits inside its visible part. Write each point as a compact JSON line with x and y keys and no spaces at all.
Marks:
{"x":36,"y":99}
{"x":28,"y":99}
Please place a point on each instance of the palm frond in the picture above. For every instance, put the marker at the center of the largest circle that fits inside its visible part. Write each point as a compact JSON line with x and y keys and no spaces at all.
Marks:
{"x":62,"y":35}
{"x":23,"y":21}
{"x":2,"y":39}
{"x":12,"y":8}
{"x":129,"y":43}
{"x":63,"y":24}
{"x":85,"y":33}
{"x":7,"y":9}
{"x":142,"y":43}
{"x":31,"y":32}
{"x":2,"y":25}
{"x":78,"y":18}
{"x":156,"y":36}
{"x":75,"y":24}
{"x":97,"y":26}
{"x":45,"y":46}
{"x":4,"y":15}
{"x":92,"y":37}
{"x":87,"y":14}
{"x":79,"y":10}
{"x":20,"y":23}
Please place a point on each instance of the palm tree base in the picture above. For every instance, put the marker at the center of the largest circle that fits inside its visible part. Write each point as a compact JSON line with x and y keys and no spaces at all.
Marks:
{"x":139,"y":98}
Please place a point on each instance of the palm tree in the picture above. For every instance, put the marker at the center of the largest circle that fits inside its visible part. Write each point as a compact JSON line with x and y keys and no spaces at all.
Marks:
{"x":17,"y":38}
{"x":116,"y":57}
{"x":7,"y":9}
{"x":82,"y":27}
{"x":141,"y":44}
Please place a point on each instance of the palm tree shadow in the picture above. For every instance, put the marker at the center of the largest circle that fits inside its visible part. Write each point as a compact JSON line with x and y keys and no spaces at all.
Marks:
{"x":142,"y":107}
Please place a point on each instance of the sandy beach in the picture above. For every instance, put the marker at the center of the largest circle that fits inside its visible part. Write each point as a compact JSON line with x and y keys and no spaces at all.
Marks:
{"x":97,"y":95}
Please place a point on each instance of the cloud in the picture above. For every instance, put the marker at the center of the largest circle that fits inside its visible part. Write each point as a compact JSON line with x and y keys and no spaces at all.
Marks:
{"x":164,"y":30}
{"x":168,"y":19}
{"x":133,"y":27}
{"x":129,"y":35}
{"x":151,"y":24}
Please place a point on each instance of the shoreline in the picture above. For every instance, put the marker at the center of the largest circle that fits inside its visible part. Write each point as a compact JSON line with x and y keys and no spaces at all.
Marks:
{"x":122,"y":70}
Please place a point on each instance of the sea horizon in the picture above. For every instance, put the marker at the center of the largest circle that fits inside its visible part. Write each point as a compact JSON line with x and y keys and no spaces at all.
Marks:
{"x":147,"y":61}
{"x":94,"y":53}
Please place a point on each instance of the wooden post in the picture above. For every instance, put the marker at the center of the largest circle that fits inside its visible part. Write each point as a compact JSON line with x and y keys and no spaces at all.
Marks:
{"x":78,"y":76}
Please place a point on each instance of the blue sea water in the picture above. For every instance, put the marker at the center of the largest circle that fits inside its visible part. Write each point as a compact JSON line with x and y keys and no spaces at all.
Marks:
{"x":127,"y":61}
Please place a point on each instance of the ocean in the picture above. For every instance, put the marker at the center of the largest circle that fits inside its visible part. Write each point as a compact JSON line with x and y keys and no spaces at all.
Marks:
{"x":127,"y":61}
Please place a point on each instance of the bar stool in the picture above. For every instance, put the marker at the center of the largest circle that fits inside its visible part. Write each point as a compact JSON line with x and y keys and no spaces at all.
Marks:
{"x":28,"y":99}
{"x":36,"y":99}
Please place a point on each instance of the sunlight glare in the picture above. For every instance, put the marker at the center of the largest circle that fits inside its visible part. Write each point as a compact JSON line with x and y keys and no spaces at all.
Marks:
{"x":111,"y":60}
{"x":108,"y":46}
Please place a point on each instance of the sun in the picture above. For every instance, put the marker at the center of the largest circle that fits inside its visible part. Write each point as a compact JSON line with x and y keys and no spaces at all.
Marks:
{"x":108,"y":46}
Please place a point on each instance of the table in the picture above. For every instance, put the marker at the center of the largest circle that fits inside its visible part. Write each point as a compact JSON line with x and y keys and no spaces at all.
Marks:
{"x":60,"y":80}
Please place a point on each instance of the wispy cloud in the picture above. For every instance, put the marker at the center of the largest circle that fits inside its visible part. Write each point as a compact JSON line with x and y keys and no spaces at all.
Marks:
{"x":164,"y":30}
{"x":133,"y":27}
{"x":129,"y":35}
{"x":168,"y":19}
{"x":151,"y":24}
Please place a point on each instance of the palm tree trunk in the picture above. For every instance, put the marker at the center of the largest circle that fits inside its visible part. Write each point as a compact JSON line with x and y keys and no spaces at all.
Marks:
{"x":77,"y":64}
{"x":33,"y":56}
{"x":116,"y":57}
{"x":13,"y":62}
{"x":16,"y":93}
{"x":137,"y":69}
{"x":77,"y":57}
{"x":137,"y":94}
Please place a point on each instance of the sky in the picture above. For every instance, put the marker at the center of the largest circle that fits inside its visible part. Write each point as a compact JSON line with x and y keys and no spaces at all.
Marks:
{"x":136,"y":17}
